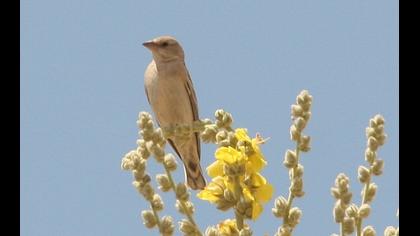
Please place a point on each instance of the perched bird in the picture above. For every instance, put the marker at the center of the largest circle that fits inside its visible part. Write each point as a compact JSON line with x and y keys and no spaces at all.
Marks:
{"x":171,"y":94}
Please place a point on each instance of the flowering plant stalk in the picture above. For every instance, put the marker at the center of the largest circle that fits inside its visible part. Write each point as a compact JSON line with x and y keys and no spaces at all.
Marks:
{"x":301,"y":112}
{"x":236,"y":180}
{"x":391,"y":230}
{"x":349,"y":215}
{"x":153,"y":142}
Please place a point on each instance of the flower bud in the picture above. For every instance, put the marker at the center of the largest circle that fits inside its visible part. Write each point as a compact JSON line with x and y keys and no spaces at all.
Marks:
{"x":167,"y":225}
{"x":138,"y":175}
{"x":370,"y":156}
{"x":352,"y":211}
{"x":186,"y":227}
{"x":364,"y":174}
{"x":128,"y":162}
{"x":223,"y":119}
{"x":381,"y":139}
{"x":364,"y":211}
{"x":296,"y":111}
{"x":145,"y":179}
{"x":346,"y":198}
{"x":335,"y":193}
{"x":164,"y":183}
{"x":147,"y":192}
{"x":280,"y":207}
{"x":170,"y":162}
{"x":294,"y":133}
{"x":299,"y":171}
{"x":181,"y":192}
{"x":300,"y":123}
{"x":290,"y":159}
{"x":211,"y":231}
{"x":379,"y":120}
{"x":304,"y":144}
{"x":377,"y":167}
{"x":149,"y":219}
{"x":306,"y":115}
{"x":348,"y":225}
{"x":188,"y":205}
{"x":369,"y":231}
{"x":209,"y":134}
{"x":229,"y":195}
{"x":294,"y":216}
{"x":342,"y":183}
{"x":284,"y":231}
{"x":371,"y":192}
{"x":338,"y":212}
{"x":221,"y":136}
{"x":158,"y":152}
{"x":297,"y":187}
{"x":245,"y":232}
{"x":158,"y":137}
{"x":157,"y":202}
{"x":390,"y":231}
{"x":373,"y":144}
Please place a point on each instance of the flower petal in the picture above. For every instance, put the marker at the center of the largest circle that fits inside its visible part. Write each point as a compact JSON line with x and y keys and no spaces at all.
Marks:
{"x":242,"y":135}
{"x":256,"y":210}
{"x":257,"y":180}
{"x":255,"y":163}
{"x":207,"y":196}
{"x":227,"y":154}
{"x":228,"y":227}
{"x":247,"y":194}
{"x":215,"y":169}
{"x":264,"y":193}
{"x":213,"y":191}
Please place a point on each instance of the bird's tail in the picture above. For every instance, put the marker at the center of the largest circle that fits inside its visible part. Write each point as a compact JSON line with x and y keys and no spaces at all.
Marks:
{"x":194,"y":177}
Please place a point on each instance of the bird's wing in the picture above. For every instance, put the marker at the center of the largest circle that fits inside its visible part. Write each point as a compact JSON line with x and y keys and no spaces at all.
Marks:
{"x":194,"y":106}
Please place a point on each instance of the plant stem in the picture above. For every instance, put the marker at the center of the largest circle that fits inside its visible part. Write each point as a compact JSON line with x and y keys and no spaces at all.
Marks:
{"x":365,"y":191}
{"x":238,"y":195}
{"x":182,"y":203}
{"x":359,"y":220}
{"x":156,"y":217}
{"x":239,"y":221}
{"x":341,"y":229}
{"x":291,"y":197}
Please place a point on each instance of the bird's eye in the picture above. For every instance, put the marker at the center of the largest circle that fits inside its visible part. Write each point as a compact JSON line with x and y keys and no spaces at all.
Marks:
{"x":164,"y":44}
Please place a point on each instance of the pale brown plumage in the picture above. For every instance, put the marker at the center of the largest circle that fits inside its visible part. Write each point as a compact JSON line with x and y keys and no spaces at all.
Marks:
{"x":171,"y":95}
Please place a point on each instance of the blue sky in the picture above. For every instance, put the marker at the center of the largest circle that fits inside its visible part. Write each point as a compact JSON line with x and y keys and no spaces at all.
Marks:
{"x":82,"y":66}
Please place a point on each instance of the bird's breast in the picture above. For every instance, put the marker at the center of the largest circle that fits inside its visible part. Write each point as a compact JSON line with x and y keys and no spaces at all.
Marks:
{"x":170,"y":100}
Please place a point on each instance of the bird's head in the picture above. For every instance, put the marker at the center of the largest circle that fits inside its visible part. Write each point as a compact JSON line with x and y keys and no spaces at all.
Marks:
{"x":165,"y":48}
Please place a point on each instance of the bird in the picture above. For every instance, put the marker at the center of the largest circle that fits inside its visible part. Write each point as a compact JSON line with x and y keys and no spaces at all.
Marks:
{"x":170,"y":93}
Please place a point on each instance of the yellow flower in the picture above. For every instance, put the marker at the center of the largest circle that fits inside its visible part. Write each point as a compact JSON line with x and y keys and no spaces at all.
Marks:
{"x":242,"y":135}
{"x":228,"y":228}
{"x":215,"y":169}
{"x":254,"y":187}
{"x":255,"y":159}
{"x":254,"y":162}
{"x":213,"y":191}
{"x":257,"y":209}
{"x":262,"y":190}
{"x":257,"y":191}
{"x":225,"y":156}
{"x":256,"y":180}
{"x":264,"y":193}
{"x":229,"y":155}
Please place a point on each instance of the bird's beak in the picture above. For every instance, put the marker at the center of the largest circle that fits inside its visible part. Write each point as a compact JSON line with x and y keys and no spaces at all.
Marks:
{"x":150,"y":44}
